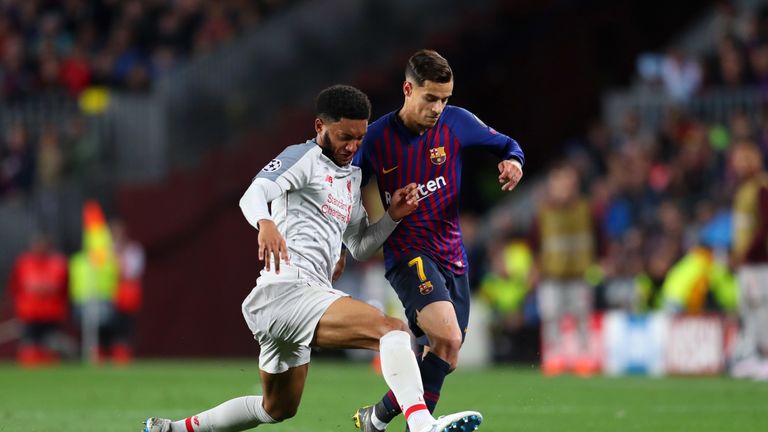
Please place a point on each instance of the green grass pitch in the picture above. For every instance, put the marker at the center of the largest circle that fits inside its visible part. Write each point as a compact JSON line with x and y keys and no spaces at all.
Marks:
{"x":84,"y":399}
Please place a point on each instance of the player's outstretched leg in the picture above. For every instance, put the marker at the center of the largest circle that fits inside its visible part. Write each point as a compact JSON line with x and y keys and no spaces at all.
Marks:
{"x":401,"y":372}
{"x":234,"y":415}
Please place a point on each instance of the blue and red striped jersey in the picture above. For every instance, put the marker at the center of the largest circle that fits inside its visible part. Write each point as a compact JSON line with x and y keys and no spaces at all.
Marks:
{"x":397,"y":156}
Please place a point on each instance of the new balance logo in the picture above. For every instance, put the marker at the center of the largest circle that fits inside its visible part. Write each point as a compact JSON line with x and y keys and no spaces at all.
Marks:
{"x":425,"y":189}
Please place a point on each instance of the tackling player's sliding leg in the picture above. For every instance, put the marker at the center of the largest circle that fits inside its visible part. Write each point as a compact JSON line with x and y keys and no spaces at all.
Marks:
{"x":347,"y":323}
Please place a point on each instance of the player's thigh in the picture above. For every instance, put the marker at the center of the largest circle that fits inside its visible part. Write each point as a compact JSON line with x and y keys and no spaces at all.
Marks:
{"x":282,"y":391}
{"x":419,"y":282}
{"x":350,"y":323}
{"x":439,"y":322}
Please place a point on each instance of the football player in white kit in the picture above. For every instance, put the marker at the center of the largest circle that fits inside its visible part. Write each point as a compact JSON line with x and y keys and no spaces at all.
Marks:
{"x":316,"y":204}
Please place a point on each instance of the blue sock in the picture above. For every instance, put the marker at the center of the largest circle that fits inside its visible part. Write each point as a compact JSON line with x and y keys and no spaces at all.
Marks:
{"x":433,"y":371}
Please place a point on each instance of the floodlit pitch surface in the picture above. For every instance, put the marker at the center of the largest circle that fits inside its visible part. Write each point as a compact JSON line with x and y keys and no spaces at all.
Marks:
{"x":84,"y":399}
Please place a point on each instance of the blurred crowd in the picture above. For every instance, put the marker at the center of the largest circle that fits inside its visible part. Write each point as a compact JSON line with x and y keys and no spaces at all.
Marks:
{"x":67,"y":46}
{"x":740,"y":57}
{"x":62,"y":49}
{"x":641,"y":218}
{"x":42,"y":159}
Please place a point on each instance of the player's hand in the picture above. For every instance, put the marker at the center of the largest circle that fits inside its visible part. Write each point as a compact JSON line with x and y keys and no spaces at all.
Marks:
{"x":340,"y":264}
{"x":404,"y":202}
{"x":271,"y":245}
{"x":510,"y":174}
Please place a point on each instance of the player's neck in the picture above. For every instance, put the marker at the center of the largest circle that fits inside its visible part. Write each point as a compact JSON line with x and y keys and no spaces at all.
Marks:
{"x":326,"y":151}
{"x":410,"y":123}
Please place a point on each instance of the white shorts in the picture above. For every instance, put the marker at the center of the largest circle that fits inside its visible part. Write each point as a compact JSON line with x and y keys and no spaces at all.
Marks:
{"x":282,"y":312}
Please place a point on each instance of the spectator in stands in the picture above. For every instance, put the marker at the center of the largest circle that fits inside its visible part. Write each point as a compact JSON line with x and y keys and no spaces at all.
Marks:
{"x":758,"y":58}
{"x":49,"y":158}
{"x":731,"y":68}
{"x":623,"y":262}
{"x":130,"y":261}
{"x":76,"y":70}
{"x":505,"y":287}
{"x":680,"y":74}
{"x":649,"y":283}
{"x":17,"y":163}
{"x":633,"y":202}
{"x":698,"y":282}
{"x":563,"y":238}
{"x":750,"y":259}
{"x":17,"y":80}
{"x":38,"y":285}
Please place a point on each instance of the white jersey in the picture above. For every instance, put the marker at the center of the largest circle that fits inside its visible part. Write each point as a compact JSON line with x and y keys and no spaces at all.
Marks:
{"x":315,"y":205}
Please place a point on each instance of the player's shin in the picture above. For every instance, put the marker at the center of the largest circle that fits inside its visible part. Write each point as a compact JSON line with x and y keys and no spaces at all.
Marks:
{"x":401,"y":372}
{"x":237,"y":414}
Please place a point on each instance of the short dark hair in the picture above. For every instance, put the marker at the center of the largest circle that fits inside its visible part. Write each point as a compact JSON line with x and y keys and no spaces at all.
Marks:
{"x":343,"y":101}
{"x":428,"y":65}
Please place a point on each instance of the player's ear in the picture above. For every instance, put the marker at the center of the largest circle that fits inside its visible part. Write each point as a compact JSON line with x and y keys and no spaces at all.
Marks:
{"x":407,"y":88}
{"x":318,"y":125}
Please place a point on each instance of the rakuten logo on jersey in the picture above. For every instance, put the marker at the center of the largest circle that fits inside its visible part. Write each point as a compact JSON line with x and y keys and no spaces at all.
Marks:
{"x":425,"y":189}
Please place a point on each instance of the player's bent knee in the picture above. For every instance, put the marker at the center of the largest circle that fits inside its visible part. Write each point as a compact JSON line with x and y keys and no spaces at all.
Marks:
{"x":447,"y":348}
{"x":387,"y":324}
{"x":280,"y":413}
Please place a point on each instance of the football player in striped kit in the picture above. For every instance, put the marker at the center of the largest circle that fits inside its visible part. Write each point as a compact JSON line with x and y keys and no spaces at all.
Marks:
{"x":424,"y":257}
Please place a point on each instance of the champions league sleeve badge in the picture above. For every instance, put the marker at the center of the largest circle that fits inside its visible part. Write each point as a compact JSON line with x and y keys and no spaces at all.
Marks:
{"x":273,"y":166}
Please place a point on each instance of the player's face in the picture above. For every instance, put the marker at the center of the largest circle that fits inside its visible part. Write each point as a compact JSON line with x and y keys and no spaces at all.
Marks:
{"x":341,"y":139}
{"x":427,"y":102}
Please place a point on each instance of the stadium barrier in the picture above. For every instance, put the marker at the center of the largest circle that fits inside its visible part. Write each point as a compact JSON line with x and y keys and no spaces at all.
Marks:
{"x":715,"y":105}
{"x":656,"y":344}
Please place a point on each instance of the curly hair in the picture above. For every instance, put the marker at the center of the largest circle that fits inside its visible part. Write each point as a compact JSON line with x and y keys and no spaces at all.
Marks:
{"x":343,"y":101}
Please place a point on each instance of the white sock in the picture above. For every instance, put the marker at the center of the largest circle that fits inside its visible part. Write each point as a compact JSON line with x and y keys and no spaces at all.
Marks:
{"x":233,"y":415}
{"x":401,"y":372}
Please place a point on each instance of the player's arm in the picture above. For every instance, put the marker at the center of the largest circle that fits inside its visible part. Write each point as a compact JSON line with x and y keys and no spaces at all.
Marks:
{"x":254,"y":206}
{"x":474,"y":133}
{"x":362,"y":239}
{"x":291,"y":170}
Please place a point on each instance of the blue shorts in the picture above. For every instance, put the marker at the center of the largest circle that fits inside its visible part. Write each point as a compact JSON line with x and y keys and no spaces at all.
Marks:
{"x":419,"y":281}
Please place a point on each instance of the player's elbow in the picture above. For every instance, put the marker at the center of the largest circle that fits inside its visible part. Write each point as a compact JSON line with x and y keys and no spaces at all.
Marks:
{"x":359,"y":253}
{"x":244,"y":205}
